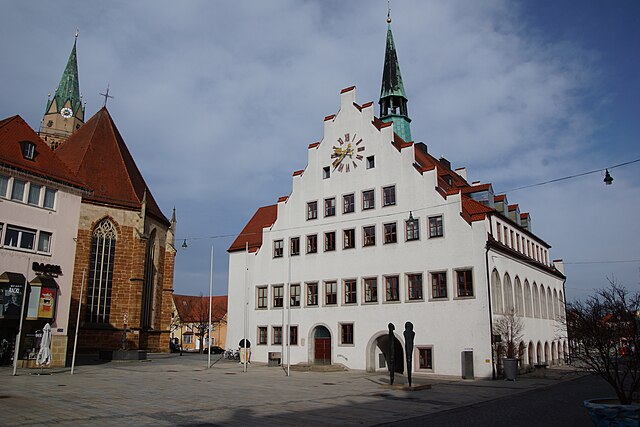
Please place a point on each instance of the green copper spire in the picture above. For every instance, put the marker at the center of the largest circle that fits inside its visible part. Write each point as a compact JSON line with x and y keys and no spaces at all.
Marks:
{"x":393,"y":99}
{"x":69,"y":87}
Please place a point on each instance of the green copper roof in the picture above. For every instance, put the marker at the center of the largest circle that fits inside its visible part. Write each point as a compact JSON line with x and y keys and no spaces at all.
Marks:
{"x":391,"y":77}
{"x":69,"y":86}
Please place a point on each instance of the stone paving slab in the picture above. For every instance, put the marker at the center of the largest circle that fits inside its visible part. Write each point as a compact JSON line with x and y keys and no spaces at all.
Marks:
{"x":174,"y":390}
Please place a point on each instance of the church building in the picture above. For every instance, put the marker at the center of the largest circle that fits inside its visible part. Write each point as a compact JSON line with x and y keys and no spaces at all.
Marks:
{"x":377,"y":231}
{"x":101,"y":224}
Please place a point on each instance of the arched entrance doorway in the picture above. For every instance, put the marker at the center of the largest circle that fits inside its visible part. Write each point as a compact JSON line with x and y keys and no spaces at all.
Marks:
{"x":321,"y":346}
{"x":379,"y":354}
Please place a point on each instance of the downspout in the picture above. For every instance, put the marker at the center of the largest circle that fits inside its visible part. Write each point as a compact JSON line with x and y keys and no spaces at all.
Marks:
{"x":564,"y":290}
{"x":486,"y":260}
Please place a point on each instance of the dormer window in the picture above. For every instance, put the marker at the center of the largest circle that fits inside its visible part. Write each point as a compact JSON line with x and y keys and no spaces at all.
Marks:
{"x":28,"y":149}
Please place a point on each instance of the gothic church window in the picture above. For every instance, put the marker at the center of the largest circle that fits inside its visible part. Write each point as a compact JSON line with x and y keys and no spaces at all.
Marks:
{"x":103,"y":248}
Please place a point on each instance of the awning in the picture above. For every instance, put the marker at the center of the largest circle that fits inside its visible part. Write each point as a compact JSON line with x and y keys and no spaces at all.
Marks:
{"x":45,"y":282}
{"x":12,"y":278}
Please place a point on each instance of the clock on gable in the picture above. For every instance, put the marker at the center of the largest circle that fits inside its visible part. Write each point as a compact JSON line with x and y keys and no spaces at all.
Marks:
{"x":348,"y":154}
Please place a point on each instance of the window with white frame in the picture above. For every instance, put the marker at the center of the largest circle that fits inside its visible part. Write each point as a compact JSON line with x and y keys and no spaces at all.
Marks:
{"x":349,"y":238}
{"x":49,"y":198}
{"x":331,"y":293}
{"x":348,"y":203}
{"x":4,"y":185}
{"x":295,"y":246}
{"x":19,"y":237}
{"x":330,"y":206}
{"x":28,"y":149}
{"x":350,"y":291}
{"x":389,"y":195}
{"x":277,"y":335}
{"x":312,"y":243}
{"x":312,"y":210}
{"x":412,"y":228}
{"x":294,"y":291}
{"x":262,"y":296}
{"x":464,"y":279}
{"x":312,"y":294}
{"x":329,"y":241}
{"x":44,"y":242}
{"x":439,"y":285}
{"x":390,"y":233}
{"x":414,"y":286}
{"x":278,"y":248}
{"x":425,"y":358}
{"x":436,"y":227}
{"x":34,"y":194}
{"x":346,"y":334}
{"x":278,"y":296}
{"x":392,"y":288}
{"x":17,"y":190}
{"x":370,"y":289}
{"x":368,"y":199}
{"x":369,"y":235}
{"x":262,"y":335}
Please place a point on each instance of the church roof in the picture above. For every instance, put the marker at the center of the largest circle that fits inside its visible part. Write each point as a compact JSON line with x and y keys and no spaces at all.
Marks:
{"x":251,"y":234}
{"x":13,"y":132}
{"x":97,"y":155}
{"x":69,"y":87}
{"x":391,"y":77}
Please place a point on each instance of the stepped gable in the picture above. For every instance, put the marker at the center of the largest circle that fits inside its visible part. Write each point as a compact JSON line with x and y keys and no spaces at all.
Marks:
{"x":14,"y":130}
{"x":97,"y":154}
{"x":251,"y":234}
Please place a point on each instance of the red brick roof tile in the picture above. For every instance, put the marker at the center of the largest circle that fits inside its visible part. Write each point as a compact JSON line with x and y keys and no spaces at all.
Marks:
{"x":97,"y":154}
{"x":251,"y":234}
{"x":193,"y":309}
{"x":45,"y":164}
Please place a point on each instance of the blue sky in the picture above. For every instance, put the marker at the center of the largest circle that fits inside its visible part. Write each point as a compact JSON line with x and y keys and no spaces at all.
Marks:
{"x":217,"y":102}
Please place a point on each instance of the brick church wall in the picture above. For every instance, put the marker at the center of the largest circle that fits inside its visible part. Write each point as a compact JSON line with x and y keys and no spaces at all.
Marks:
{"x":127,"y":282}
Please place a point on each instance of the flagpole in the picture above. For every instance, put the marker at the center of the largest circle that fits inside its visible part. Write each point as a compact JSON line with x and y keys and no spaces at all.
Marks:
{"x":246,"y":284}
{"x":289,"y":324}
{"x":210,"y":300}
{"x":75,"y":341}
{"x":19,"y":337}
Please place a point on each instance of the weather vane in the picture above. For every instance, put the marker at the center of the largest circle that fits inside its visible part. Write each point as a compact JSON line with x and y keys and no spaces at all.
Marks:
{"x":106,"y":95}
{"x":389,"y":11}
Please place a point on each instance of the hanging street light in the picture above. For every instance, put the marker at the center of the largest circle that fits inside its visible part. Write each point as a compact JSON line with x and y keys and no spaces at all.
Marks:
{"x":608,"y":179}
{"x":184,"y":244}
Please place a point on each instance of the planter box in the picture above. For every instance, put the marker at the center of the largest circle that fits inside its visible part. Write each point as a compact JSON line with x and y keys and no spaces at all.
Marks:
{"x":607,"y":412}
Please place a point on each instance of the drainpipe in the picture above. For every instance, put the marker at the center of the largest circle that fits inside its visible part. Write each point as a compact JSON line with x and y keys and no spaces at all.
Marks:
{"x":486,"y":260}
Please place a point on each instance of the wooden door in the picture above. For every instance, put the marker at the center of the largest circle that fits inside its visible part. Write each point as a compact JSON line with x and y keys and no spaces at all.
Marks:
{"x":322,"y":351}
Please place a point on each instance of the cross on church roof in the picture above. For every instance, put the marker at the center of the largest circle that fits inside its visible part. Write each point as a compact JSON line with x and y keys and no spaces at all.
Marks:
{"x":106,"y":96}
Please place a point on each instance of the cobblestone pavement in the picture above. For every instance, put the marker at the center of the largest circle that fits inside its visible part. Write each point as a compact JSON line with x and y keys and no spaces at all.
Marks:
{"x":171,"y":390}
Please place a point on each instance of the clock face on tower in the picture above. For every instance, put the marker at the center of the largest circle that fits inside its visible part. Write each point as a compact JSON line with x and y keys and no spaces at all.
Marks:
{"x":348,"y":153}
{"x":66,"y":112}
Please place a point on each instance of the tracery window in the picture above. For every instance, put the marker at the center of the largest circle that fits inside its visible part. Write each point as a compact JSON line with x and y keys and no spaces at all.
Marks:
{"x":103,"y":248}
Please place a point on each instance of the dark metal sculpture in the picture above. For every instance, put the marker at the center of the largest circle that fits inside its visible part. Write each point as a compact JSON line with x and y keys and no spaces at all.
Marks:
{"x":392,"y":356}
{"x":409,"y":335}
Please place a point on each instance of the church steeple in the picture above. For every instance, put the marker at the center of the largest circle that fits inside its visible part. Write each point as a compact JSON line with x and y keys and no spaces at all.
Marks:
{"x":393,"y":99}
{"x":65,"y":112}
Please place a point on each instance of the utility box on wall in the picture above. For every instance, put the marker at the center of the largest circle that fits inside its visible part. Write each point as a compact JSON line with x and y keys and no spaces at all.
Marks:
{"x":467,"y":365}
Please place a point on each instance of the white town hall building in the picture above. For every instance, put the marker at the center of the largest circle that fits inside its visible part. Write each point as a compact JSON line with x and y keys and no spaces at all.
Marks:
{"x":377,"y":231}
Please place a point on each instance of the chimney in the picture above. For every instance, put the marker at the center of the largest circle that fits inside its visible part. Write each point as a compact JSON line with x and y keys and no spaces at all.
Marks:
{"x":445,"y":162}
{"x":462,"y":172}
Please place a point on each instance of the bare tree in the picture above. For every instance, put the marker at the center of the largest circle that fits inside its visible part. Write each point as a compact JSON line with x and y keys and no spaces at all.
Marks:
{"x":603,"y":331}
{"x":511,"y":329}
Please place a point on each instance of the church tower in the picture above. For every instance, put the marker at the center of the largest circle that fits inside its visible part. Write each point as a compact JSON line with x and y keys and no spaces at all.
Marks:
{"x":65,"y":112}
{"x":393,"y":100}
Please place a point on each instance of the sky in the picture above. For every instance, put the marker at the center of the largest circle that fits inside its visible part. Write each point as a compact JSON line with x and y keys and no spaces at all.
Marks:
{"x":218,"y":100}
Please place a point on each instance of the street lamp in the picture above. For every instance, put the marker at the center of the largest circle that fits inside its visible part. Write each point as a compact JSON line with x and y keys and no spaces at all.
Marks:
{"x":608,"y":179}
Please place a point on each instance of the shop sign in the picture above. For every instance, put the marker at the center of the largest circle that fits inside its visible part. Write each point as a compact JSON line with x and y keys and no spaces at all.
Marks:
{"x":48,"y":269}
{"x":11,"y":300}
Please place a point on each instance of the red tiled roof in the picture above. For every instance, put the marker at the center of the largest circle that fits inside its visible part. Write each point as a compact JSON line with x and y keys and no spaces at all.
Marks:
{"x":499,"y":198}
{"x":513,"y":207}
{"x":251,"y":234}
{"x":97,"y":154}
{"x":474,"y":211}
{"x":45,"y":164}
{"x":367,"y":105}
{"x":192,"y":309}
{"x":475,"y":188}
{"x":329,"y":117}
{"x":283,"y":199}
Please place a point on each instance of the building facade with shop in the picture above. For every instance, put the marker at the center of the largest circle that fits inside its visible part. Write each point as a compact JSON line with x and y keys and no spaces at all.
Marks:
{"x":377,"y":231}
{"x":39,"y":211}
